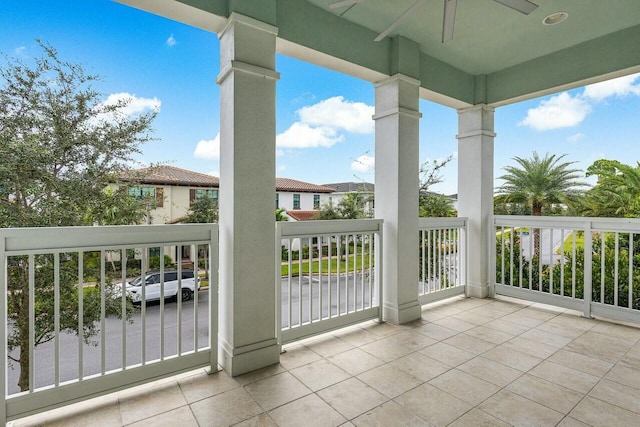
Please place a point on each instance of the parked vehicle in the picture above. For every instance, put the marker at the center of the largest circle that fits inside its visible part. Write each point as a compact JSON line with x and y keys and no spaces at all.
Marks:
{"x":152,"y":285}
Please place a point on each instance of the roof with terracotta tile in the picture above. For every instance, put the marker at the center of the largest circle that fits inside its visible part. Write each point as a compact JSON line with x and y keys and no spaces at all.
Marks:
{"x":302,"y":215}
{"x":351,"y":187}
{"x":171,"y":175}
{"x":288,"y":184}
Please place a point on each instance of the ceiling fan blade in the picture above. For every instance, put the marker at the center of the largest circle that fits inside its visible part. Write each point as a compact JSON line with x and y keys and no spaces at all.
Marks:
{"x":398,"y":21}
{"x":448,"y":20}
{"x":522,"y":6}
{"x":343,"y":3}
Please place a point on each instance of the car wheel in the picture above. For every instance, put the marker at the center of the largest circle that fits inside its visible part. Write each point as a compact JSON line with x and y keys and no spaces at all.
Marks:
{"x":186,"y":294}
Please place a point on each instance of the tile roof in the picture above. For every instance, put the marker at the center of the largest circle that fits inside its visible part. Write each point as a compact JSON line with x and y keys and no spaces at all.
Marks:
{"x":171,"y":175}
{"x":288,"y":184}
{"x":351,"y":187}
{"x":302,"y":215}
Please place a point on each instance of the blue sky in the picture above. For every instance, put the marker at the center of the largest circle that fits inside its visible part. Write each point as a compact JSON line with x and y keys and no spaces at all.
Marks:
{"x":323,"y":118}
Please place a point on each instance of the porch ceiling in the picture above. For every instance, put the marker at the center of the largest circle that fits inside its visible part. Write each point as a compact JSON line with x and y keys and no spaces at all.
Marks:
{"x":497,"y":55}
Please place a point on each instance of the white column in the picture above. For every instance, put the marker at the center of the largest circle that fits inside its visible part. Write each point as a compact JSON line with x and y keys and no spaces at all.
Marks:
{"x":475,"y":191}
{"x":397,"y":122}
{"x":247,"y":82}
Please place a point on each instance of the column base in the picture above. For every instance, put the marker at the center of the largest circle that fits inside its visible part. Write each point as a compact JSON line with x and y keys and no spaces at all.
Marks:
{"x":403,"y":313}
{"x":478,"y":290}
{"x":240,"y":360}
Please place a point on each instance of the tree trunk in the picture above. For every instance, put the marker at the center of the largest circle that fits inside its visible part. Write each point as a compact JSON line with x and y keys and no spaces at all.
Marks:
{"x":537,"y":211}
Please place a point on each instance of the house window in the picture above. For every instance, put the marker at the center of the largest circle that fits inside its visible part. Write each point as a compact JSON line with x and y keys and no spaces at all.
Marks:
{"x":316,"y":201}
{"x":296,"y":201}
{"x":149,"y":194}
{"x":277,"y":201}
{"x":196,"y":193}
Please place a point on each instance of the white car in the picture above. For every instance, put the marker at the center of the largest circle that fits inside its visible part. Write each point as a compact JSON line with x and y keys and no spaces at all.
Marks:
{"x":152,"y":286}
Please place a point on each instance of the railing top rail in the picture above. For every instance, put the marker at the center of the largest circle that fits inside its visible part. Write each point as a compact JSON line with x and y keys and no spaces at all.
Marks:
{"x":442,"y":222}
{"x":594,"y":223}
{"x":317,"y":228}
{"x":56,"y":238}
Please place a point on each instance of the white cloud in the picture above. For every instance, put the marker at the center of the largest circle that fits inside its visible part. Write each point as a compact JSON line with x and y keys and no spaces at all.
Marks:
{"x":321,"y":124}
{"x":171,"y":41}
{"x":363,"y":164}
{"x":559,"y":111}
{"x":301,"y":135}
{"x":132,"y":104}
{"x":20,"y":50}
{"x":575,"y":137}
{"x":620,"y":87}
{"x":279,"y":153}
{"x":214,"y":173}
{"x":281,"y":168}
{"x":208,"y":149}
{"x":336,"y":113}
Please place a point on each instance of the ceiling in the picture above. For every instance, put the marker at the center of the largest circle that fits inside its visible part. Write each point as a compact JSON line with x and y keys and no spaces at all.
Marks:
{"x":497,"y":55}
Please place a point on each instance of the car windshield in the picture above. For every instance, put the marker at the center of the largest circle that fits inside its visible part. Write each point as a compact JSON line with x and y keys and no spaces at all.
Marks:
{"x":136,"y":282}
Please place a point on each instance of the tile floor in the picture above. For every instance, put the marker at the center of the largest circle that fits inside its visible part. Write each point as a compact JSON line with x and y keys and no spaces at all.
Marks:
{"x":467,"y":362}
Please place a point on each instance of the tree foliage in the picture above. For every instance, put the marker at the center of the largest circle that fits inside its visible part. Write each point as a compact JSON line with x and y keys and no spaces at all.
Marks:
{"x":351,"y":206}
{"x":61,"y":146}
{"x":617,"y":192}
{"x":203,"y":210}
{"x":432,"y":204}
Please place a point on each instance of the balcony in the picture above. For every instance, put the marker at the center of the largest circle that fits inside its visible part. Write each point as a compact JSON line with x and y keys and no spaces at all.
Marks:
{"x":467,"y":362}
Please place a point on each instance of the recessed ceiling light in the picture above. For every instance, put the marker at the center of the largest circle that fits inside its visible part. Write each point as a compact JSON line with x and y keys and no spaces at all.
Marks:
{"x":555,"y":18}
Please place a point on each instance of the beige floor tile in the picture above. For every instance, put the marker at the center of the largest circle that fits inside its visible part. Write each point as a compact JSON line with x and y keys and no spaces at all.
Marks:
{"x":546,"y":393}
{"x":420,"y":366}
{"x":308,"y":411}
{"x":490,"y":334}
{"x":329,"y":345}
{"x":600,"y":345}
{"x":530,"y":347}
{"x":521,"y":320}
{"x":491,"y":371}
{"x":597,"y":413}
{"x":509,"y":327}
{"x":276,"y":390}
{"x":621,"y":331}
{"x":624,"y":375}
{"x":581,"y":362}
{"x":469,"y":343}
{"x":386,"y":349}
{"x":352,"y":397}
{"x":320,"y":374}
{"x":101,"y":412}
{"x":203,"y":385}
{"x":512,"y":358}
{"x":260,"y":374}
{"x":560,"y":329}
{"x":565,"y":376}
{"x":355,"y":361}
{"x":297,"y":356}
{"x":455,"y":324}
{"x":617,"y":394}
{"x":447,"y":354}
{"x":411,"y":340}
{"x":518,"y":411}
{"x":465,"y":386}
{"x":546,"y":337}
{"x":181,"y":416}
{"x":437,"y":332}
{"x":539,"y":313}
{"x":225,"y":409}
{"x":383,"y":329}
{"x":431,"y":315}
{"x":433,"y":405}
{"x":389,"y":380}
{"x":478,"y":418}
{"x":389,"y":414}
{"x":574,"y":321}
{"x":262,"y":420}
{"x":136,"y":405}
{"x":356,"y":336}
{"x":477,"y":317}
{"x":571,"y":422}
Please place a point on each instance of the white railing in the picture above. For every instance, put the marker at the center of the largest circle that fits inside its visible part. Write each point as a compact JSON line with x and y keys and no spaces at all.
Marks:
{"x":328,"y":275}
{"x":57,"y":281}
{"x":586,"y":264}
{"x":441,"y":258}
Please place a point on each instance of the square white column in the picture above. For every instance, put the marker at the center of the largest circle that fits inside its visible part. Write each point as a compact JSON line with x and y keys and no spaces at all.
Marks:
{"x":247,"y":312}
{"x":475,"y":192}
{"x":397,"y":124}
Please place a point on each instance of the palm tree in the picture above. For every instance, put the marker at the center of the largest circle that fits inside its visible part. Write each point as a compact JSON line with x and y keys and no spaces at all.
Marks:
{"x":617,"y":192}
{"x":538,"y":183}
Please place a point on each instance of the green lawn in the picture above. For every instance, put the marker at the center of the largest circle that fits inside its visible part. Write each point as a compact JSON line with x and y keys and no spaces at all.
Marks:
{"x":568,"y":243}
{"x":315,"y":265}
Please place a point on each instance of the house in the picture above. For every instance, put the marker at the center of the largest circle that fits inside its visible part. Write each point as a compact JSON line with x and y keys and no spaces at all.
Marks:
{"x":173,"y":191}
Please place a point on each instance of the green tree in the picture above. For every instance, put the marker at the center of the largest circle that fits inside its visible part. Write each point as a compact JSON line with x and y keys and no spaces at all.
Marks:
{"x":431,"y":204}
{"x":351,"y":206}
{"x":61,"y":146}
{"x":540,"y":182}
{"x":280,"y":215}
{"x":617,"y":192}
{"x":203,"y":210}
